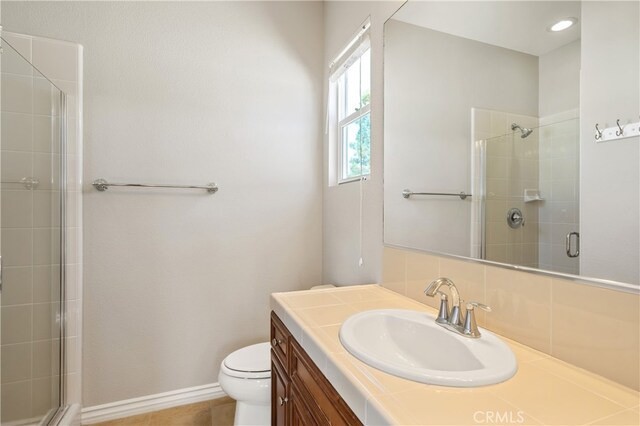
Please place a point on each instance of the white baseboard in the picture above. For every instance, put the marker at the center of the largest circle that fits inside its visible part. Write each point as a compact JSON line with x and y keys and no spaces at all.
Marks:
{"x":149,"y":403}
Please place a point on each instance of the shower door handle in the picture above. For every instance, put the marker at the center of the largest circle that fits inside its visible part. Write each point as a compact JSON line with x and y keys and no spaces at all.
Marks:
{"x":568,"y":244}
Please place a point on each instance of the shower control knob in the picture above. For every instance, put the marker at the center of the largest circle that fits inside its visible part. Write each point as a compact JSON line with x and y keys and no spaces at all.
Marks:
{"x":515,"y":219}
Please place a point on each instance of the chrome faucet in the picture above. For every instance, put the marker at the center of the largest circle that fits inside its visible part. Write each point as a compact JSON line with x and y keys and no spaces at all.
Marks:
{"x":454,"y":320}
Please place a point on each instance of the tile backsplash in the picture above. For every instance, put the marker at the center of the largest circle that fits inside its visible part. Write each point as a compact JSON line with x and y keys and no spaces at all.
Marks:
{"x":594,"y":328}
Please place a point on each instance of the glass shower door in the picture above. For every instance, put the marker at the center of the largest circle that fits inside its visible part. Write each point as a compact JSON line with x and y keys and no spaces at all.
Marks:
{"x":537,"y":178}
{"x":31,"y":235}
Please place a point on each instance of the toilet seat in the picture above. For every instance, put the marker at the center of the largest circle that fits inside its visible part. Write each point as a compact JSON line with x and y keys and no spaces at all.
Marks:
{"x":251,"y":362}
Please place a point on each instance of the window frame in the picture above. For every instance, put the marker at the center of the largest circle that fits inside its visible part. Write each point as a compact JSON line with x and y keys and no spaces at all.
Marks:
{"x":341,"y":124}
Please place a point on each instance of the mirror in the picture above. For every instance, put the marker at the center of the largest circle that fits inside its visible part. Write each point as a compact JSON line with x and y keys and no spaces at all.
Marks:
{"x":482,"y":134}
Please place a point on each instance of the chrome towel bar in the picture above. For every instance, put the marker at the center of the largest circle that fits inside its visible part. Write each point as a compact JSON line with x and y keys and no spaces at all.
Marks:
{"x":408,"y":193}
{"x":102,"y":185}
{"x":28,"y":182}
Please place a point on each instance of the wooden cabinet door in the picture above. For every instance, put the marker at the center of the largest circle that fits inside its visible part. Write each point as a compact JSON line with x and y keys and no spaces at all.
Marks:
{"x":327,"y":407}
{"x":279,"y":395}
{"x":300,"y":413}
{"x":300,"y":394}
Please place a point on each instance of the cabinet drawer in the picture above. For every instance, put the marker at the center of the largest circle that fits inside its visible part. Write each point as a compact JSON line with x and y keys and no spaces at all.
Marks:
{"x":280,"y":341}
{"x":324,"y":401}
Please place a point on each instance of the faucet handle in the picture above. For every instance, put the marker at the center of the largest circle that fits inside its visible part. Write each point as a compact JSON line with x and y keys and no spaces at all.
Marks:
{"x":470,"y":327}
{"x":482,"y":306}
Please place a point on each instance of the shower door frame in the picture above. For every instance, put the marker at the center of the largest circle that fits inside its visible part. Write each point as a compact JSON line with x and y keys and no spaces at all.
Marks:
{"x":54,"y":416}
{"x":62,"y":383}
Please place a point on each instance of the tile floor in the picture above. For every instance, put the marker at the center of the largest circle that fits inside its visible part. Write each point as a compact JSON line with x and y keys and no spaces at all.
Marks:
{"x":216,"y":412}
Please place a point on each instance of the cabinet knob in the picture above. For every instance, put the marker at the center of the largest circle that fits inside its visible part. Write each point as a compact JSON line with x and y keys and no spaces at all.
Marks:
{"x":276,"y":342}
{"x":282,"y":400}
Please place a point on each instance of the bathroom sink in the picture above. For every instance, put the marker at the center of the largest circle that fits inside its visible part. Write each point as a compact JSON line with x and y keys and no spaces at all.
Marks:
{"x":411,"y":345}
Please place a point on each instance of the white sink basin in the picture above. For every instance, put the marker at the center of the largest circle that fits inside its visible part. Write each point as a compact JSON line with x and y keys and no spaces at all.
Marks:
{"x":411,"y":345}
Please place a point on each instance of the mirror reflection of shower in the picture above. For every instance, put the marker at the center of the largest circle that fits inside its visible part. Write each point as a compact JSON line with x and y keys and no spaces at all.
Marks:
{"x":523,"y":130}
{"x":531,"y":165}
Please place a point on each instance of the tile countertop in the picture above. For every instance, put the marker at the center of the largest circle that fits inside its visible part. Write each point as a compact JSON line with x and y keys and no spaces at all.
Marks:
{"x":543,"y":391}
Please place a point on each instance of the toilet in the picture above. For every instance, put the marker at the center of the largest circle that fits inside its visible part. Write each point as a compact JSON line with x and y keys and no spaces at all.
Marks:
{"x":245,"y":375}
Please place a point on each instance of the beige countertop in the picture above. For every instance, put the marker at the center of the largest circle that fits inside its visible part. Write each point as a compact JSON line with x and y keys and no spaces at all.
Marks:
{"x":543,"y":391}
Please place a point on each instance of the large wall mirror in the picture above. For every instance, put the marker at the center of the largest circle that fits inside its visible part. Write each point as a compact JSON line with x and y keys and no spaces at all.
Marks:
{"x":482,"y":135}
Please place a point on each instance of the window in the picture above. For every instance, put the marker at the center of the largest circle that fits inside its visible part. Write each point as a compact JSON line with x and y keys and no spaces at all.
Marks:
{"x":351,"y":124}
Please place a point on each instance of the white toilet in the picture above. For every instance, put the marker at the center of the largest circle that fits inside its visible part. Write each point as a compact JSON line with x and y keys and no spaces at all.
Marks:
{"x":245,"y":375}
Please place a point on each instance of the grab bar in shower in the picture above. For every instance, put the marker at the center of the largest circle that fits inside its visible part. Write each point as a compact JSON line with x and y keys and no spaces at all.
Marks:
{"x":408,"y":193}
{"x":102,"y":185}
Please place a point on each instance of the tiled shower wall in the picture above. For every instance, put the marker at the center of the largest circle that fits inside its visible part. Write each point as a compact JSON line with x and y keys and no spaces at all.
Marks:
{"x":61,"y":62}
{"x":511,"y":165}
{"x":591,"y":327}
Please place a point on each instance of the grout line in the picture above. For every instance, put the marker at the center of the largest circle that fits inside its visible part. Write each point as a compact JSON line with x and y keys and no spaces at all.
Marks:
{"x":518,"y":407}
{"x":609,"y":416}
{"x":585,"y":388}
{"x":326,"y":305}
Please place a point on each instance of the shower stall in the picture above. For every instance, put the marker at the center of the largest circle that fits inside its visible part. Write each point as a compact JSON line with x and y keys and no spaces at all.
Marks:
{"x":33,"y":197}
{"x":527,"y":176}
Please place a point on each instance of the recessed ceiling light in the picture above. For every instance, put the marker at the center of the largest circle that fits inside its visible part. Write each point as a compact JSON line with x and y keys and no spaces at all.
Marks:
{"x":562,"y":24}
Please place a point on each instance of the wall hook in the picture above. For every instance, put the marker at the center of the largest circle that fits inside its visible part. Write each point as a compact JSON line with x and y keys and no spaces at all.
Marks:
{"x":621,"y":131}
{"x":598,"y":133}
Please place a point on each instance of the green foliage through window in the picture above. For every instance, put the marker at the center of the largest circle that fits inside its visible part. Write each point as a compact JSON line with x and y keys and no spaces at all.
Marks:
{"x":360,"y":163}
{"x":354,"y":118}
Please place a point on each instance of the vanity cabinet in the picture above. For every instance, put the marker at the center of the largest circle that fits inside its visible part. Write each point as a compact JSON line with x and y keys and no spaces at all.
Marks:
{"x":300,"y":394}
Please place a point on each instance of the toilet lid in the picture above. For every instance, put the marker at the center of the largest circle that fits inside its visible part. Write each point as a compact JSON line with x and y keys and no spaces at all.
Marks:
{"x":250,"y":359}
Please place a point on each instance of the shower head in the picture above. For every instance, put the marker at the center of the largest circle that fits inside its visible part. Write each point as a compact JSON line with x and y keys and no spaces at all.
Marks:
{"x":523,"y":130}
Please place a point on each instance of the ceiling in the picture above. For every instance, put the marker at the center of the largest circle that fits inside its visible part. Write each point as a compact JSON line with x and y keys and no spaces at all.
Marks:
{"x":516,"y":25}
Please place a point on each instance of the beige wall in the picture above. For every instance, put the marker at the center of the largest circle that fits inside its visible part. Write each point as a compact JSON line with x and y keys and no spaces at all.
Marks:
{"x":593,"y":328}
{"x":559,"y":74}
{"x":191,"y":93}
{"x":609,"y":175}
